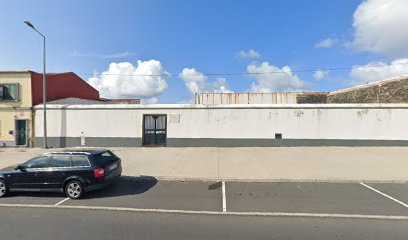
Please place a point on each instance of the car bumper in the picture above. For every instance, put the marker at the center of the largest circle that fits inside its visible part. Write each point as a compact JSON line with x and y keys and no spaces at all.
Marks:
{"x":104,"y":183}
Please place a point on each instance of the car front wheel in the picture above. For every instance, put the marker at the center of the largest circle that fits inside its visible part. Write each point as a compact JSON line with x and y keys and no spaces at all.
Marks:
{"x":74,"y":189}
{"x":3,"y":188}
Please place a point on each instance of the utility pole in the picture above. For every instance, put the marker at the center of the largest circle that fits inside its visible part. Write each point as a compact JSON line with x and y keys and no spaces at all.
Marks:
{"x":44,"y":84}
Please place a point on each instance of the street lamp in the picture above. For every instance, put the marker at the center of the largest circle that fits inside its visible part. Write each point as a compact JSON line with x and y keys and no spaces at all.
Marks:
{"x":44,"y":85}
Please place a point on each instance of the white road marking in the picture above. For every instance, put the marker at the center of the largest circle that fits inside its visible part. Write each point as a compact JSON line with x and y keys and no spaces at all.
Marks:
{"x":385,"y":195}
{"x":60,"y":202}
{"x":224,"y":198}
{"x":263,"y":214}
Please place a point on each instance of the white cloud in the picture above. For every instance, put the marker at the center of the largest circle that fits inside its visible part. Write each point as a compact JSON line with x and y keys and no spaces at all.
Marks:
{"x":320,"y":74}
{"x":326,"y":43}
{"x":103,"y":56}
{"x":375,"y":71}
{"x":251,"y":53}
{"x":220,"y":85}
{"x":197,"y":82}
{"x":380,"y":27}
{"x":269,"y":78}
{"x":124,"y":80}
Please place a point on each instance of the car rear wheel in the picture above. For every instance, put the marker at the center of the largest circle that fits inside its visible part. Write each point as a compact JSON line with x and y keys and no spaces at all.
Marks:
{"x":3,"y":188}
{"x":74,"y":189}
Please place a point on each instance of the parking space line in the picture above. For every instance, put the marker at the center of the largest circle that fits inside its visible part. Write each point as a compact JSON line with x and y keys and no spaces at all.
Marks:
{"x":385,"y":195}
{"x":224,"y":198}
{"x":62,"y":201}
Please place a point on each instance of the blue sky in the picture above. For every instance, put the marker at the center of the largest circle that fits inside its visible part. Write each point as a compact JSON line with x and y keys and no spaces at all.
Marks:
{"x":200,"y":37}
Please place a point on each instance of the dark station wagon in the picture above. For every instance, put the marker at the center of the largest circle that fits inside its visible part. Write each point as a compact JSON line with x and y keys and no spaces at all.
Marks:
{"x":73,"y":172}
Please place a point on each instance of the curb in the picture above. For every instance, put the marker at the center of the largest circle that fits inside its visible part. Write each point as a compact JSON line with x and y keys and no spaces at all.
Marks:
{"x":260,"y":180}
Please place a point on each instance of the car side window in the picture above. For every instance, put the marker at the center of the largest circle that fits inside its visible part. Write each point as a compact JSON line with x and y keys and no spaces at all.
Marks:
{"x":105,"y":157}
{"x":37,"y":162}
{"x":80,"y":161}
{"x":60,"y":160}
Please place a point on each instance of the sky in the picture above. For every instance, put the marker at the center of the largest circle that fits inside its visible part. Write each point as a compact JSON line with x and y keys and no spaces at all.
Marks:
{"x":164,"y":51}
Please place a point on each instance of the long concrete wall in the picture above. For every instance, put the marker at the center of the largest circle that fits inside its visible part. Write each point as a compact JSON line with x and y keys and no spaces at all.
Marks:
{"x":229,"y":125}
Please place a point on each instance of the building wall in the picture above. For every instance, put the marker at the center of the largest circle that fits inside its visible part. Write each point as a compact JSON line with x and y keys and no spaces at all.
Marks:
{"x":59,"y":86}
{"x":7,"y":124}
{"x":386,"y":91}
{"x":12,"y":110}
{"x":62,"y":85}
{"x":24,"y":81}
{"x":238,"y":125}
{"x":311,"y":97}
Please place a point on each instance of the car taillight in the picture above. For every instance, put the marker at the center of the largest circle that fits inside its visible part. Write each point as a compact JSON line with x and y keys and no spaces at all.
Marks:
{"x":98,"y":173}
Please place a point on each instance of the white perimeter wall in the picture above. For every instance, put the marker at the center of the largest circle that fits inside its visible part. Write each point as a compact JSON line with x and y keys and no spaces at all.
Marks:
{"x":328,"y":121}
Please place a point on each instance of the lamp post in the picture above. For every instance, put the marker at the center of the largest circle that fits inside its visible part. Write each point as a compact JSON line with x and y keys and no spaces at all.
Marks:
{"x":44,"y":85}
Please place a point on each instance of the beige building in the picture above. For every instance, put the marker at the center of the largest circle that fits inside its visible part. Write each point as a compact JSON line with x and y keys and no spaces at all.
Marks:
{"x":21,"y":90}
{"x":15,"y":108}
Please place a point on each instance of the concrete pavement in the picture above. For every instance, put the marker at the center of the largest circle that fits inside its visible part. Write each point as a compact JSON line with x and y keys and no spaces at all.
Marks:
{"x":327,"y":164}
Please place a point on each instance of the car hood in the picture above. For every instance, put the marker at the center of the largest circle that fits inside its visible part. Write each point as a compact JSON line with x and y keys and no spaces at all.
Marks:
{"x":11,"y":168}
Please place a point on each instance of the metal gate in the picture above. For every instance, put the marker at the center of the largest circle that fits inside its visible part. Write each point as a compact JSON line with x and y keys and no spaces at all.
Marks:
{"x":21,"y":132}
{"x":154,"y":130}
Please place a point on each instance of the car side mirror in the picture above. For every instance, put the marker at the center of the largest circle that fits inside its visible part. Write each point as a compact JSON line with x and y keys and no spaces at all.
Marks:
{"x":20,"y":167}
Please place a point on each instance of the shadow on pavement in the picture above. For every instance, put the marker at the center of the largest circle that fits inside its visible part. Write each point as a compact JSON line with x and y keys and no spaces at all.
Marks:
{"x":126,"y":185}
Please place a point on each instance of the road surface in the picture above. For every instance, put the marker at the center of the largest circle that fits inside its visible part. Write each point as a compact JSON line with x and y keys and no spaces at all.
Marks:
{"x":144,"y":208}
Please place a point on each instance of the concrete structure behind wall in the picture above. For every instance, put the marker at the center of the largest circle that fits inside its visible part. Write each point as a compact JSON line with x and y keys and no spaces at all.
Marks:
{"x":393,"y":90}
{"x":229,"y":125}
{"x":245,"y":98}
{"x":311,"y":97}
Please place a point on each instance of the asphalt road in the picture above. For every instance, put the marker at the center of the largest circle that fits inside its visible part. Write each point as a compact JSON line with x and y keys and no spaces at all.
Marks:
{"x":144,"y":208}
{"x":27,"y":224}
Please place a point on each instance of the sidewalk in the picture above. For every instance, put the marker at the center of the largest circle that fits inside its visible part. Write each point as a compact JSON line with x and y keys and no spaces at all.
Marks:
{"x":328,"y":164}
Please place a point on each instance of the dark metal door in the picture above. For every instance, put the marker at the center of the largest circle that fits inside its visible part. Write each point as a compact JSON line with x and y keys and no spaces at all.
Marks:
{"x":21,"y":132}
{"x":154,"y":130}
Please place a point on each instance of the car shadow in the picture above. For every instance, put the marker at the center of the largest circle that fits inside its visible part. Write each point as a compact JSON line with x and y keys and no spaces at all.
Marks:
{"x":126,"y":185}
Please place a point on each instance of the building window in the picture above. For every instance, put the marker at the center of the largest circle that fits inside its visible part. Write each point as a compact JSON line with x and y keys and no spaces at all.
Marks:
{"x":9,"y":92}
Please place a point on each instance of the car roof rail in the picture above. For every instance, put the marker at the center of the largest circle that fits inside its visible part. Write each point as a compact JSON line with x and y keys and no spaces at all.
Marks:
{"x":86,"y":153}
